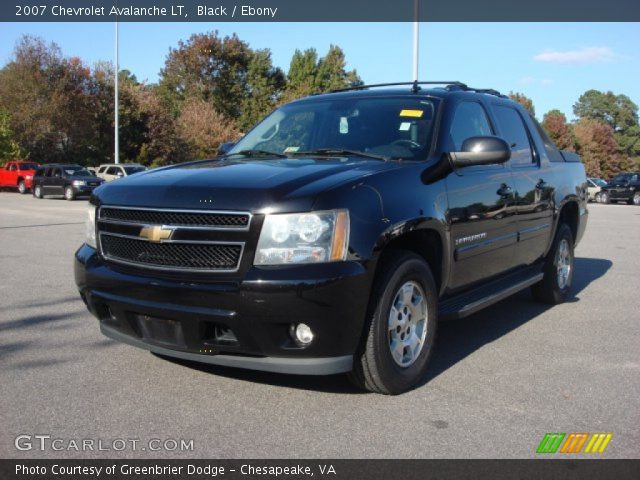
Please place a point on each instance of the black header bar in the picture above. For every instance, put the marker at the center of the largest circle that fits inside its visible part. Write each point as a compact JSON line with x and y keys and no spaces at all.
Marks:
{"x":319,"y":11}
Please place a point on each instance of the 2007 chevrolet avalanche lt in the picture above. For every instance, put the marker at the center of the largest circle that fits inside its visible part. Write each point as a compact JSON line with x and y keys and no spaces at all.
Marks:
{"x":336,"y":233}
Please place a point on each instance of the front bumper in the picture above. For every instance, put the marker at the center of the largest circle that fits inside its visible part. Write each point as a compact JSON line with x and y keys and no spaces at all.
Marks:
{"x":182,"y":318}
{"x":82,"y":190}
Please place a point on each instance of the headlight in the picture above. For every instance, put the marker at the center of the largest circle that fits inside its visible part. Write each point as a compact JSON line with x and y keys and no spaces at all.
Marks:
{"x":313,"y":237}
{"x":90,"y":226}
{"x":79,"y":183}
{"x":29,"y":177}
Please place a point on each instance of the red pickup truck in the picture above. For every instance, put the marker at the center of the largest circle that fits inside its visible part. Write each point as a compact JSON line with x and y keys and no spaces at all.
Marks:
{"x":18,"y":175}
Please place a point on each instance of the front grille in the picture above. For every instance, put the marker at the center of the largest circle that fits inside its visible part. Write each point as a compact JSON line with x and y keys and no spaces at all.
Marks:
{"x":226,"y":220}
{"x":186,"y":240}
{"x":189,"y":256}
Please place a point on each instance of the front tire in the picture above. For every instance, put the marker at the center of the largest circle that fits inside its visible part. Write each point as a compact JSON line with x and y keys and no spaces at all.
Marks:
{"x":555,"y":286}
{"x":401,"y":330}
{"x":635,"y":200}
{"x":22,"y":188}
{"x":69,"y":194}
{"x":604,"y":198}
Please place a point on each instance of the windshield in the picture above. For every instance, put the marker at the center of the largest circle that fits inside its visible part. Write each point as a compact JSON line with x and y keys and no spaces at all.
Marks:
{"x":599,"y":182}
{"x":77,"y":172}
{"x":394,"y":127}
{"x":132,"y":170}
{"x":620,"y":178}
{"x":27,"y":166}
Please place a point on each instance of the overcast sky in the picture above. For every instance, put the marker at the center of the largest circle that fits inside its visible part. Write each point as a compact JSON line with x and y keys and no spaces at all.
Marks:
{"x":553,"y":63}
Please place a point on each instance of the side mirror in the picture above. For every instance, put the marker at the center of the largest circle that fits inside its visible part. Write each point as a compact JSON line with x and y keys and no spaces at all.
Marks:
{"x":224,"y":148}
{"x":481,"y":151}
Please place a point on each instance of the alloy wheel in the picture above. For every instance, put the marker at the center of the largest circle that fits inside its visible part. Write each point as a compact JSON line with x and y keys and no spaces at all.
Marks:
{"x":407,"y":325}
{"x":563,"y":263}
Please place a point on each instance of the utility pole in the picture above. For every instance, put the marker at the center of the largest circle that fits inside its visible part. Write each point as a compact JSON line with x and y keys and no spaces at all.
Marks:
{"x":116,"y":149}
{"x":416,"y":40}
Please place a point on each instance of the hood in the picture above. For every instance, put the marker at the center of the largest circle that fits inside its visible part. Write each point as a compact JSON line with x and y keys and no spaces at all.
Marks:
{"x":250,"y":184}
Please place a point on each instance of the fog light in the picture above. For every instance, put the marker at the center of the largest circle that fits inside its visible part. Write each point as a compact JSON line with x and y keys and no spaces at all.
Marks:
{"x":302,"y":333}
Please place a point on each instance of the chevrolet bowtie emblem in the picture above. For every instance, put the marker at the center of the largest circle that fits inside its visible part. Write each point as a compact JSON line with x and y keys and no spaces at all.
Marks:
{"x":156,"y":233}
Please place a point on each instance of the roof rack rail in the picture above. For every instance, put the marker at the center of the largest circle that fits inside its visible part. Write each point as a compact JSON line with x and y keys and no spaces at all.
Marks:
{"x":414,"y":85}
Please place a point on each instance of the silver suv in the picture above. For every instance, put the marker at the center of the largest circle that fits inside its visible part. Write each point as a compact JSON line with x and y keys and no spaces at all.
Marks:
{"x":113,"y":171}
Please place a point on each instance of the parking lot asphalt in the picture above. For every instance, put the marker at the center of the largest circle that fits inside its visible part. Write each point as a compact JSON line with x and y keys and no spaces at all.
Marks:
{"x":498,"y":380}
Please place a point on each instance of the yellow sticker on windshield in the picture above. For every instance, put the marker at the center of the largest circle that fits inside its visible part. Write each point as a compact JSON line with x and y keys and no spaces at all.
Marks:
{"x":411,"y":113}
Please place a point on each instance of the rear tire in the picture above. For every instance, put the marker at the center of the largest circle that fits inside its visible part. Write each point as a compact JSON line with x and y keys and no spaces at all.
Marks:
{"x":22,"y":188}
{"x":37,"y":191}
{"x":69,"y":194}
{"x":555,"y":286}
{"x":400,"y":332}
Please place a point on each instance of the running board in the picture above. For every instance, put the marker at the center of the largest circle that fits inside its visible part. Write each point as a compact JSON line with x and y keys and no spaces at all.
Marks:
{"x":470,"y":302}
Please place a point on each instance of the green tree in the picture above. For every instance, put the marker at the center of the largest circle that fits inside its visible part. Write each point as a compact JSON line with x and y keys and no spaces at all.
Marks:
{"x":9,"y":148}
{"x":50,"y":100}
{"x":210,"y":68}
{"x":331,"y":72}
{"x":523,"y":100}
{"x":265,"y":84}
{"x":617,"y":111}
{"x":556,"y":126}
{"x":308,"y":74}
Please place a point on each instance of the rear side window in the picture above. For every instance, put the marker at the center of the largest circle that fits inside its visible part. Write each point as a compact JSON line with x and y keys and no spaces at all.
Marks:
{"x":514,"y":132}
{"x":470,"y":120}
{"x":553,"y":153}
{"x":112,"y":171}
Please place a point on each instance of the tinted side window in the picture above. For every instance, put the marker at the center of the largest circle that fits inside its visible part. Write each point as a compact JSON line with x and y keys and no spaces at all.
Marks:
{"x":552,"y":151}
{"x":49,"y":172}
{"x":57,"y":172}
{"x":13,"y":167}
{"x":514,"y":132}
{"x":112,"y":171}
{"x":470,"y":120}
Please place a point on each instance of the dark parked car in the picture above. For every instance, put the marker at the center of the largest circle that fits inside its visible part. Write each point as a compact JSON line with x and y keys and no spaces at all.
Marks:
{"x":336,"y":233}
{"x":624,"y":187}
{"x":70,"y":181}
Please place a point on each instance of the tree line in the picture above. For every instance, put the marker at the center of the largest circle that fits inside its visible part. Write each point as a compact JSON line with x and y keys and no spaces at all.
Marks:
{"x":606,"y":133}
{"x":212,"y":89}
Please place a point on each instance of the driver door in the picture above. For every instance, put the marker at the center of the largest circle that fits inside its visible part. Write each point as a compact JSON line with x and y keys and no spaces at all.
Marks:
{"x":481,"y":212}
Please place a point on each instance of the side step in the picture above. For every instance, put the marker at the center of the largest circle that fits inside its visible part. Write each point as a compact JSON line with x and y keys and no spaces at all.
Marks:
{"x":470,"y":302}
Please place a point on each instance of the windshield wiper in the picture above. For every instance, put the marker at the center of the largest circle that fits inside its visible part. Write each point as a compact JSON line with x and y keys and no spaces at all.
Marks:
{"x":255,"y":153}
{"x":331,"y":152}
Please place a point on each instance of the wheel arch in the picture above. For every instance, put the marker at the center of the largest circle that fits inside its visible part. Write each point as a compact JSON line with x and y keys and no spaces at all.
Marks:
{"x":426,"y":240}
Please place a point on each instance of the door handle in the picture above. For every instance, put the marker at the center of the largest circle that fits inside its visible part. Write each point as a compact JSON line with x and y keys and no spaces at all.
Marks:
{"x":505,"y":191}
{"x":541,"y":184}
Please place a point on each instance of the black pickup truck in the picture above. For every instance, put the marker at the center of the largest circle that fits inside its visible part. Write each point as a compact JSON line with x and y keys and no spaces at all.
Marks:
{"x":336,"y":233}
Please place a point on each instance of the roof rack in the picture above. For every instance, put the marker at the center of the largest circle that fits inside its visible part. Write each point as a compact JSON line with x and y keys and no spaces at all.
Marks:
{"x":415,"y":87}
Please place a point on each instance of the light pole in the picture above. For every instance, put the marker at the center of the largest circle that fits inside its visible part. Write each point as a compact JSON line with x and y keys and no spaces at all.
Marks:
{"x":416,"y":41}
{"x":116,"y":147}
